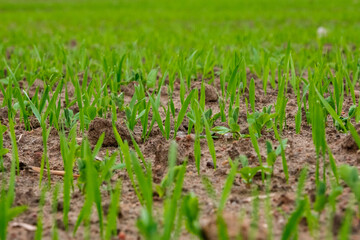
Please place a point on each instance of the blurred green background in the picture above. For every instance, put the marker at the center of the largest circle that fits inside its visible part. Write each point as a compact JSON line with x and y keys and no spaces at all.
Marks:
{"x":168,"y":25}
{"x":159,"y":30}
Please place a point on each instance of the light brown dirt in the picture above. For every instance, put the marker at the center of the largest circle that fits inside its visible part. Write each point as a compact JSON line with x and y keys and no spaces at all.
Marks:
{"x":299,"y":153}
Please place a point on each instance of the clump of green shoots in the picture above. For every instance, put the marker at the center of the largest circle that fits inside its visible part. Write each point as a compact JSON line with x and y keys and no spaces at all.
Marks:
{"x":92,"y":187}
{"x":162,"y":188}
{"x":346,"y":120}
{"x":71,"y":119}
{"x":302,"y":209}
{"x":350,"y":175}
{"x":68,"y":148}
{"x":221,"y":225}
{"x":143,"y":187}
{"x":104,"y":168}
{"x":191,"y":211}
{"x":272,"y":153}
{"x":195,"y":118}
{"x":182,"y":111}
{"x":41,"y":115}
{"x":259,"y":120}
{"x":113,"y":211}
{"x":39,"y":225}
{"x":7,"y":212}
{"x":54,"y":207}
{"x":247,"y":173}
{"x":233,"y":128}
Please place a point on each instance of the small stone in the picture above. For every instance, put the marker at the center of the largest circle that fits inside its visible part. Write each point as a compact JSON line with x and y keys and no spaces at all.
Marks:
{"x":181,"y":134}
{"x":321,"y":32}
{"x":228,"y":136}
{"x":210,"y":164}
{"x":224,"y":163}
{"x":122,"y":236}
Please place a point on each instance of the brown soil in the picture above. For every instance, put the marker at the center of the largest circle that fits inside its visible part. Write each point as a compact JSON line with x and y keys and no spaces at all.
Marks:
{"x":300,"y":152}
{"x":236,"y":227}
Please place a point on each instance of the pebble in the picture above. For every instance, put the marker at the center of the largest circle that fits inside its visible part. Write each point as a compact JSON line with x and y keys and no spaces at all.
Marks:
{"x":210,"y":164}
{"x":228,"y":136}
{"x":181,"y":134}
{"x":224,"y":163}
{"x":122,"y":236}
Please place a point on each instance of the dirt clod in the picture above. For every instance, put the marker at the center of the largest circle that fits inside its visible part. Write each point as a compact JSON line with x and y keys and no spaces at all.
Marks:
{"x":100,"y":125}
{"x":349,"y":142}
{"x":211,"y":94}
